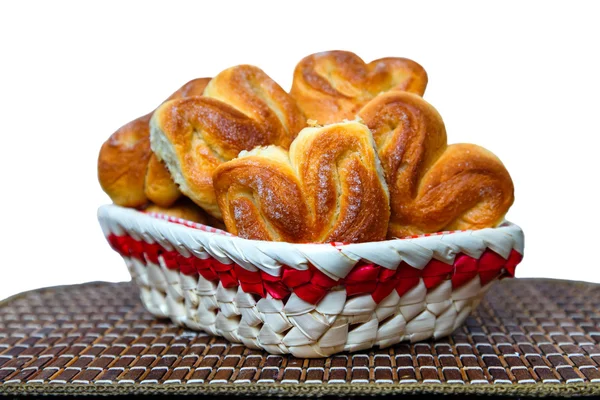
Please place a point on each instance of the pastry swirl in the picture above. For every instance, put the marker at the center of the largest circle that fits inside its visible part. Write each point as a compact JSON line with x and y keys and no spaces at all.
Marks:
{"x":334,"y":85}
{"x":329,"y":187}
{"x":433,"y":186}
{"x":129,"y":172}
{"x":241,"y":108}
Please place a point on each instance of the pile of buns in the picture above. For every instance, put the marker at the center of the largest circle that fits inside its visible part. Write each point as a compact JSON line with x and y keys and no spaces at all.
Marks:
{"x":352,"y":153}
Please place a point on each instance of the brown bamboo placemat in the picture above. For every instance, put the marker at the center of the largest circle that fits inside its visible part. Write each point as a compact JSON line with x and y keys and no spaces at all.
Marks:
{"x":528,"y":337}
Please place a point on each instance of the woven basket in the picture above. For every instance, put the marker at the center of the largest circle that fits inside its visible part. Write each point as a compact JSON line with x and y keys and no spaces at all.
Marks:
{"x":310,"y":300}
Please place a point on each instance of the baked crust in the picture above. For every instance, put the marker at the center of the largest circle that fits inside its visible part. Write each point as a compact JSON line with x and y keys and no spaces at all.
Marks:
{"x":188,"y":146}
{"x":128,"y":171}
{"x":123,"y":161}
{"x":241,"y":108}
{"x":334,"y":85}
{"x":433,"y":186}
{"x":329,"y":187}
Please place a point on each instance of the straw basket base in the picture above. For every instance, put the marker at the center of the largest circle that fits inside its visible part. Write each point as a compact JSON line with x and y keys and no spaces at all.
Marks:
{"x":299,"y":328}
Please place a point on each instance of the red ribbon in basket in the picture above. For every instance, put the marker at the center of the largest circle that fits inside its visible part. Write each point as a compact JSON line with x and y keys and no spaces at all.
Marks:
{"x":312,"y":285}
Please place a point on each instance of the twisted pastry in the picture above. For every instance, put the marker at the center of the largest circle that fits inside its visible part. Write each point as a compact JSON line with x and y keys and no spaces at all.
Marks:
{"x":329,"y":187}
{"x":334,"y":85}
{"x":241,"y":108}
{"x":129,"y":172}
{"x":433,"y":186}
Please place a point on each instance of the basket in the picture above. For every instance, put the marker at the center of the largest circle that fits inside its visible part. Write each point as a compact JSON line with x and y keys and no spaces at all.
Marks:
{"x":309,"y":300}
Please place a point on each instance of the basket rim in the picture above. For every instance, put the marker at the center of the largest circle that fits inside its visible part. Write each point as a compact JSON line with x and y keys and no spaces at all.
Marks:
{"x":107,"y":210}
{"x":336,"y":261}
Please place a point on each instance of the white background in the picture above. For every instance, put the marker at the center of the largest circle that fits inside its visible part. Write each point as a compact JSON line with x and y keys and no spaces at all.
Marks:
{"x":520,"y":78}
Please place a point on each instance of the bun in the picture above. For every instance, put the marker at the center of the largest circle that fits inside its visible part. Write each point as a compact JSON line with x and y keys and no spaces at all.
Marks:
{"x":123,"y":161}
{"x":236,"y":145}
{"x":433,"y":186}
{"x":159,"y":187}
{"x":329,"y":187}
{"x":241,"y":108}
{"x":334,"y":85}
{"x":128,"y":171}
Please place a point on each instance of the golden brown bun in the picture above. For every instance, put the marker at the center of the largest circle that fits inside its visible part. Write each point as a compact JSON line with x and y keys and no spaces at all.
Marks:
{"x":241,"y":108}
{"x":159,"y":187}
{"x":184,"y":209}
{"x":433,"y":186}
{"x":123,"y":161}
{"x":329,"y":187}
{"x":334,"y":85}
{"x":127,"y":170}
{"x":195,"y":87}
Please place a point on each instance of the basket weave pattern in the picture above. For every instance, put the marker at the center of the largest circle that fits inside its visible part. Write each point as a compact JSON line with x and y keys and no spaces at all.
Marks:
{"x":310,"y":300}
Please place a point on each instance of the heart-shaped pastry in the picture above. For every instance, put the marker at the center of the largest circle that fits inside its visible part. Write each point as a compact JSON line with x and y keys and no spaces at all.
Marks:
{"x":329,"y":187}
{"x":433,"y":186}
{"x":334,"y":85}
{"x":129,"y":172}
{"x":241,"y":108}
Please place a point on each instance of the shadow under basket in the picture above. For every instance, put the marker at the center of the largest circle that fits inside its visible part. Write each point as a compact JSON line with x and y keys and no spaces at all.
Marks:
{"x":309,"y":300}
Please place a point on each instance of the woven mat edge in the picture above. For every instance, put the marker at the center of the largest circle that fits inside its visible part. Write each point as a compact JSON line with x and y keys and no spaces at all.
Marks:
{"x":535,"y":390}
{"x":6,"y":301}
{"x":306,"y":390}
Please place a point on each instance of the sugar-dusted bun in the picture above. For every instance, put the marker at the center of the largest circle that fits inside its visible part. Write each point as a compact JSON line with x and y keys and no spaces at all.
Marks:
{"x":334,"y":85}
{"x":182,"y":208}
{"x":433,"y":186}
{"x":127,"y":170}
{"x":241,"y":108}
{"x":329,"y":187}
